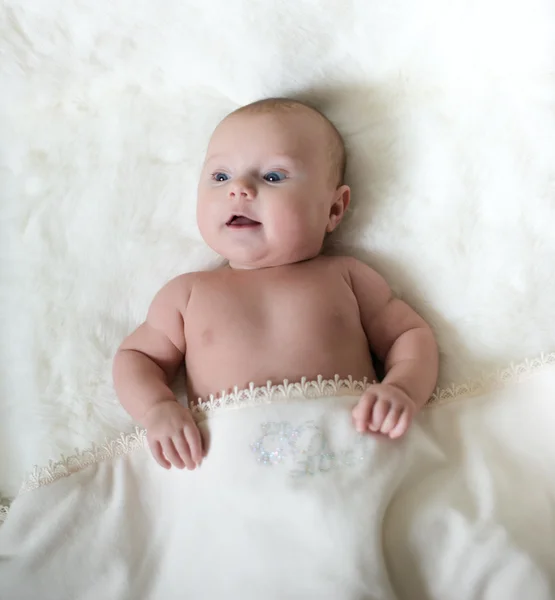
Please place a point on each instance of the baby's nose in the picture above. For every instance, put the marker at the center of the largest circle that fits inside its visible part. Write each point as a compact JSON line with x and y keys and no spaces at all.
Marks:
{"x":242,"y":189}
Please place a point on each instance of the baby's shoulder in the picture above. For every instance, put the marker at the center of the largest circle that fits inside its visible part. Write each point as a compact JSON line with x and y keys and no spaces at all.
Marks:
{"x":179,"y":283}
{"x":184,"y":284}
{"x":346,"y":264}
{"x":178,"y":289}
{"x":357,"y":273}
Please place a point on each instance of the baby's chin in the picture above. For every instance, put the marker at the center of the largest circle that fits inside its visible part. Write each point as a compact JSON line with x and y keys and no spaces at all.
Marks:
{"x":255,"y":254}
{"x":244,"y":259}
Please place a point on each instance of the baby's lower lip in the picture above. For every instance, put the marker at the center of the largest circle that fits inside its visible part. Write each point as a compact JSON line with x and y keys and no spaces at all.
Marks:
{"x":240,"y":222}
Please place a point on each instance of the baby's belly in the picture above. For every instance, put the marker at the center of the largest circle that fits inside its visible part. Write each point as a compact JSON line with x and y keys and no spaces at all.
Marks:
{"x":220,"y":361}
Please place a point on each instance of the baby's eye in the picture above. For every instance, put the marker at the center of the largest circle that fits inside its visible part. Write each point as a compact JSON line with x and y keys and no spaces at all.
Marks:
{"x":274,"y":176}
{"x":220,"y":176}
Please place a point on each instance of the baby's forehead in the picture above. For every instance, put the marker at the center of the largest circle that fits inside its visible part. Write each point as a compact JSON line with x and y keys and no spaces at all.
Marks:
{"x":285,"y":124}
{"x":284,"y":130}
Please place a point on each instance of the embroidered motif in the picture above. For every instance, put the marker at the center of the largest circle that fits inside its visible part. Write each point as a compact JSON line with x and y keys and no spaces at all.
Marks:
{"x":276,"y":443}
{"x":306,"y":448}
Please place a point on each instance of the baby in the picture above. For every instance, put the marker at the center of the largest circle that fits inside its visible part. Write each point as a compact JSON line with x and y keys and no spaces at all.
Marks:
{"x":270,"y":190}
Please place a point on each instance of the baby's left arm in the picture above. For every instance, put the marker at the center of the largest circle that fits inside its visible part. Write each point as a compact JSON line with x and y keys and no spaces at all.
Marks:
{"x":404,"y":342}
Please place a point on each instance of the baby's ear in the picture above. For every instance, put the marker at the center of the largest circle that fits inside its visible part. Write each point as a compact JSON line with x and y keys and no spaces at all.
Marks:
{"x":337,"y":209}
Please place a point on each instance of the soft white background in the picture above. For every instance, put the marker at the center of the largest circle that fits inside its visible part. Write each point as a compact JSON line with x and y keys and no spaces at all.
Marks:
{"x":448,"y":111}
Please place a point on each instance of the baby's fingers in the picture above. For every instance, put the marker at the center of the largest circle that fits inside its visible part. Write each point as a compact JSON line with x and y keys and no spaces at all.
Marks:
{"x":379,"y":413}
{"x":194,"y":439}
{"x":362,"y":412}
{"x":402,"y":424}
{"x":183,"y":450}
{"x":156,"y":449}
{"x":391,"y":419}
{"x":171,"y":453}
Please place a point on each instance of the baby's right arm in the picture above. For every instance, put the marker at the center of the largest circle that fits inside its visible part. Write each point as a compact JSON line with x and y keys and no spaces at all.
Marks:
{"x":144,"y":367}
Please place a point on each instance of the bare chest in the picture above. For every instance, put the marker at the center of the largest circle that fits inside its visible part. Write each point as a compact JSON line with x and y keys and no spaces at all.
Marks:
{"x":273,"y":308}
{"x":272,"y":325}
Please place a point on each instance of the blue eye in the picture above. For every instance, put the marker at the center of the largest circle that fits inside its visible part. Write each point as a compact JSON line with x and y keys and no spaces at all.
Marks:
{"x":274,"y":176}
{"x":220,"y":177}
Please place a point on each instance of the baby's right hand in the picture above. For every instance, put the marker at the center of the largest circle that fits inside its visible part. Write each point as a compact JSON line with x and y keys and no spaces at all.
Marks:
{"x":173,"y":435}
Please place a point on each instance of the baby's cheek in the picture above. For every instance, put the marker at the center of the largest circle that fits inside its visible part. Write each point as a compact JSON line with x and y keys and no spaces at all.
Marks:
{"x":209,"y":214}
{"x":285,"y":222}
{"x":202,"y":212}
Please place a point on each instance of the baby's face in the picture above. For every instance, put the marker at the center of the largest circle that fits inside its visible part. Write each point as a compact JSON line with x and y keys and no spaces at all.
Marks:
{"x":266,"y":190}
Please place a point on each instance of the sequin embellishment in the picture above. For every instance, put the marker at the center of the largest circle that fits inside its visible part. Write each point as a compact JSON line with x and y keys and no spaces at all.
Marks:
{"x":305,"y":448}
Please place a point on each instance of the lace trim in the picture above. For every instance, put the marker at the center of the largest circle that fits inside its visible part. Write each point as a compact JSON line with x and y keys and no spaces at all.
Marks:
{"x":271,"y":393}
{"x":254,"y":396}
{"x":124,"y":444}
{"x":515,"y":373}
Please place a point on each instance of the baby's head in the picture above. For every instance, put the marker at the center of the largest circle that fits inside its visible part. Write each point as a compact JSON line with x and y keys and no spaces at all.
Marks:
{"x":272,"y":184}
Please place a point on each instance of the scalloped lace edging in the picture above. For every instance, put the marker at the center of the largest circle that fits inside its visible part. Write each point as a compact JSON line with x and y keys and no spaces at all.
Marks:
{"x":514,"y":373}
{"x":124,"y":444}
{"x":254,"y":396}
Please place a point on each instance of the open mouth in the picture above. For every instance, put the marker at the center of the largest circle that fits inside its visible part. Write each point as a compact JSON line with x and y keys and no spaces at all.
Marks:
{"x":240,"y":221}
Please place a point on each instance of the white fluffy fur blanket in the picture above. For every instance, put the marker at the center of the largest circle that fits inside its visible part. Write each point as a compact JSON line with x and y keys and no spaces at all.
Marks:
{"x":448,"y":111}
{"x":292,"y":503}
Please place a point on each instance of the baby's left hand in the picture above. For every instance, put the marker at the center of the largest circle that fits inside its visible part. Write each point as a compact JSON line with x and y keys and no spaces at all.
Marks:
{"x":384,"y":409}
